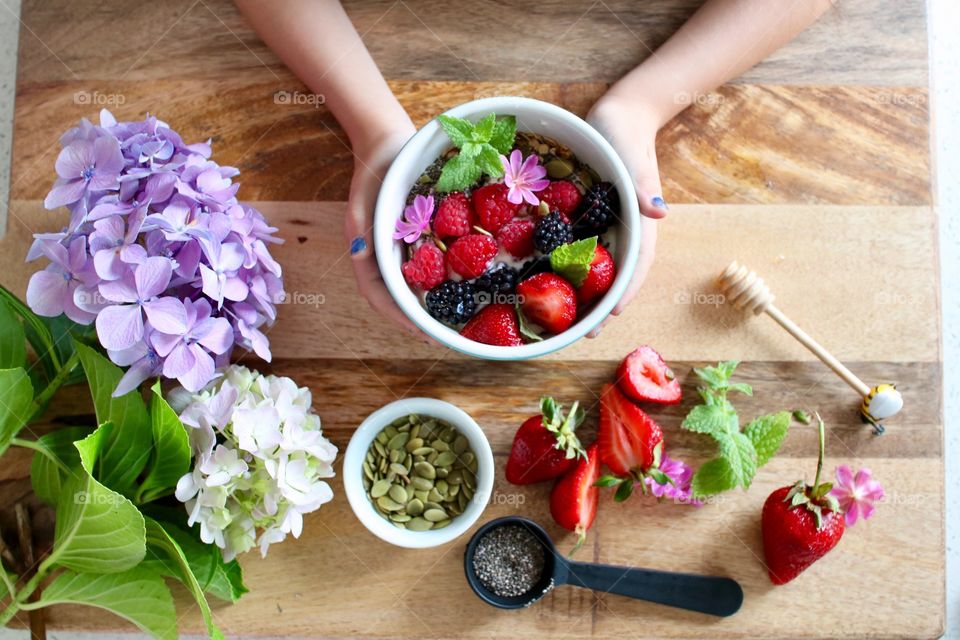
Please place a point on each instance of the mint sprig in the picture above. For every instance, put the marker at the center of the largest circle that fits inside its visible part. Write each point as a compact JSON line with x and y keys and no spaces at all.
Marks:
{"x":739,"y":453}
{"x":480,"y":146}
{"x":572,"y":261}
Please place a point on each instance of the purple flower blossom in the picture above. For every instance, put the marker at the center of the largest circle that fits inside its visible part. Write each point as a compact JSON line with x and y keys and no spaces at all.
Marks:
{"x":415,"y":220}
{"x":523,"y":177}
{"x":158,"y":251}
{"x":678,"y":489}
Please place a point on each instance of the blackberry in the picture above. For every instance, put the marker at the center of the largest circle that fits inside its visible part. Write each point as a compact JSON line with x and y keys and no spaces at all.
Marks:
{"x":551,"y":232}
{"x":452,"y":302}
{"x":532,"y":267}
{"x":503,"y":280}
{"x":599,"y":209}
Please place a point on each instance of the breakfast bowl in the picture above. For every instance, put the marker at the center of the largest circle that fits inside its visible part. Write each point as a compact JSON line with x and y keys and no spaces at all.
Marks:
{"x":415,"y":180}
{"x":431,"y":453}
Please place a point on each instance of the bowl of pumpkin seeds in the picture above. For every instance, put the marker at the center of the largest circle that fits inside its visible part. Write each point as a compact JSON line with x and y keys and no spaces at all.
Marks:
{"x":418,"y":472}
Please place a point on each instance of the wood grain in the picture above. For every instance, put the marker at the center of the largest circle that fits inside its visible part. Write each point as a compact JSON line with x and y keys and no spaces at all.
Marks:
{"x":857,"y":42}
{"x":742,"y":144}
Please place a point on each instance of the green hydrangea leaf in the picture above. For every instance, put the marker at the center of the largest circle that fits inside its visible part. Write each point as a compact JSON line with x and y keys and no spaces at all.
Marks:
{"x":170,"y":458}
{"x":55,"y":460}
{"x":16,"y":404}
{"x":572,"y":261}
{"x":13,"y":350}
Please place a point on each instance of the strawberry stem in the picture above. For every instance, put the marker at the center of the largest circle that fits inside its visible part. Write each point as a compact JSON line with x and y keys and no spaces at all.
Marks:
{"x":822,"y":437}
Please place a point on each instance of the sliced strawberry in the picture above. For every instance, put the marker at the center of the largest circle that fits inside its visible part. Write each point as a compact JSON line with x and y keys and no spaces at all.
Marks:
{"x":549,"y":301}
{"x":472,"y":255}
{"x":517,"y":237}
{"x":545,"y":446}
{"x":492,"y":207}
{"x":599,"y":278}
{"x":573,"y":500}
{"x":645,"y":377}
{"x":495,"y":324}
{"x":425,"y":269}
{"x":630,"y":441}
{"x":562,"y":196}
{"x":454,"y":217}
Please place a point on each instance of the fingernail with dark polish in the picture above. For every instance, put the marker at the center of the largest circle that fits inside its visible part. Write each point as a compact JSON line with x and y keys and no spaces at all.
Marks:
{"x":659,"y":203}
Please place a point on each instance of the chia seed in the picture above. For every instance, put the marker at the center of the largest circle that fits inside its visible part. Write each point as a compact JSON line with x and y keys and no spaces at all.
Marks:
{"x":508,"y":561}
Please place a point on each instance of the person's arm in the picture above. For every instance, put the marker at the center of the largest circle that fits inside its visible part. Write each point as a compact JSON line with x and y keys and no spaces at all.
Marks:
{"x":720,"y":41}
{"x":316,"y":39}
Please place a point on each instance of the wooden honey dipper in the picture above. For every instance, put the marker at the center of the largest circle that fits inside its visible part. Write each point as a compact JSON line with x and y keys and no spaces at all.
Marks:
{"x":746,"y":290}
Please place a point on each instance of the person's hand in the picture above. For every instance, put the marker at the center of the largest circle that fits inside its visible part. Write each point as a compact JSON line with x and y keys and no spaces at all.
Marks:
{"x":369,"y":167}
{"x":632,"y":130}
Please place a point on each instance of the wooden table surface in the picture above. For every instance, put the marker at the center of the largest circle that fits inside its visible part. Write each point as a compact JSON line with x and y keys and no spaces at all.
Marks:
{"x":813,"y":168}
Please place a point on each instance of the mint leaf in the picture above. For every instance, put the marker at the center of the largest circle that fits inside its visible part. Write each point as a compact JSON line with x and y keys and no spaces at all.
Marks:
{"x":572,"y":261}
{"x":709,"y":419}
{"x":459,"y":173}
{"x":767,"y":434}
{"x":137,"y":595}
{"x":718,"y":377}
{"x":489,"y":161}
{"x":13,"y":352}
{"x":742,"y":387}
{"x":170,"y":458}
{"x":459,"y":131}
{"x":504,"y":133}
{"x":715,"y":476}
{"x":484,"y":129}
{"x":526,"y":331}
{"x":471,"y":149}
{"x":741,"y":456}
{"x":16,"y":404}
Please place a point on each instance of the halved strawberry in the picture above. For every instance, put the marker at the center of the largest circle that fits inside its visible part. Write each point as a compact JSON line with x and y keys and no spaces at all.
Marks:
{"x":630,"y":441}
{"x":495,"y":324}
{"x":573,"y":500}
{"x":645,"y":377}
{"x":548,"y":300}
{"x":599,"y":278}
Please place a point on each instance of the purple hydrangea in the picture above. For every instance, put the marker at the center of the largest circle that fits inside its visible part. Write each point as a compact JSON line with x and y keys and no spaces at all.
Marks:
{"x":158,"y":252}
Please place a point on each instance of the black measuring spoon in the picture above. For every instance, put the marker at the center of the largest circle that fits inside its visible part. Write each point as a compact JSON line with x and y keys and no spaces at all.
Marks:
{"x":713,"y":595}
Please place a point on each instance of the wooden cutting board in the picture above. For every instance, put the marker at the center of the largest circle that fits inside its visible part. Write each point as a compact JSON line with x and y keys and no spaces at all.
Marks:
{"x":814,"y":169}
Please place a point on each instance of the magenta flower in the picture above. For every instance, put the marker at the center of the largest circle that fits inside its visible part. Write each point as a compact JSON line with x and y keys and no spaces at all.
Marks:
{"x":678,"y":489}
{"x":120,"y":326}
{"x":856,"y":493}
{"x":85,"y":166}
{"x":54,"y":290}
{"x":415,"y":220}
{"x":523,"y":177}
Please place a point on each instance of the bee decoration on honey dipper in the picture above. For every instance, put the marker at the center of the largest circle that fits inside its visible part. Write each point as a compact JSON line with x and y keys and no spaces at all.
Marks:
{"x":746,"y":290}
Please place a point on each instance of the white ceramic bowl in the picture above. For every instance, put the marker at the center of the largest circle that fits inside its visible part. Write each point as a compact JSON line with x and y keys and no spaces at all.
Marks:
{"x":538,"y":117}
{"x":360,"y":444}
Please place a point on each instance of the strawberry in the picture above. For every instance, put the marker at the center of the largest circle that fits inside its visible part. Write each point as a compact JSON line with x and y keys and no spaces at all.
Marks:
{"x":630,"y":441}
{"x":561,"y":196}
{"x":454,"y":217}
{"x":599,"y":278}
{"x":800,"y":524}
{"x":472,"y":254}
{"x":495,"y":324}
{"x":645,"y":377}
{"x":549,"y":301}
{"x":517,"y":237}
{"x":573,"y":500}
{"x":425,"y":269}
{"x":545,"y":446}
{"x":492,"y":207}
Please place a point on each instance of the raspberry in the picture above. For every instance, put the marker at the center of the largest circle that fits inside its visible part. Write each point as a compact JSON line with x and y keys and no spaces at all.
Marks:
{"x":472,"y":254}
{"x":492,"y":207}
{"x":562,"y":196}
{"x":552,"y":232}
{"x":425,"y":269}
{"x":452,"y":302}
{"x":454,"y":217}
{"x":517,"y":237}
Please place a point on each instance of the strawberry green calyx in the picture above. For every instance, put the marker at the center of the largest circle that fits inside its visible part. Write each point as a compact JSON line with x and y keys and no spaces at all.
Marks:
{"x":563,"y":426}
{"x":626,"y":484}
{"x":816,"y":497}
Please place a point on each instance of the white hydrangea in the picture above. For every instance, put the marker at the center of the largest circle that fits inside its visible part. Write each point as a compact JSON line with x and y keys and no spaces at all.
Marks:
{"x":259,"y":460}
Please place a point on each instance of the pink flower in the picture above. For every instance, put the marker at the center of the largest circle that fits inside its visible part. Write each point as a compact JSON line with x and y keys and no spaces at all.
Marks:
{"x":856,"y":493}
{"x":523,"y":177}
{"x":415,"y":220}
{"x":680,"y":475}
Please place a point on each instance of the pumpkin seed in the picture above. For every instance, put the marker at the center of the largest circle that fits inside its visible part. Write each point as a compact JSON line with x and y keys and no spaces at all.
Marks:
{"x":440,"y":445}
{"x":460,"y":444}
{"x":466,"y":459}
{"x":422,"y":452}
{"x":379,"y":447}
{"x":434,"y":495}
{"x":419,"y":524}
{"x":388,"y":503}
{"x":425,"y":470}
{"x":442,"y":486}
{"x":435,"y":515}
{"x":443,"y":472}
{"x":399,"y":469}
{"x":455,"y":476}
{"x":454,"y":490}
{"x":394,"y":455}
{"x":421,"y":484}
{"x":398,"y":494}
{"x":441,"y":524}
{"x":399,"y":517}
{"x":415,"y":432}
{"x":380,"y":488}
{"x":398,"y":441}
{"x":415,"y":507}
{"x":391,"y":430}
{"x":367,"y":471}
{"x":558,"y":169}
{"x":445,"y":459}
{"x":413,"y":444}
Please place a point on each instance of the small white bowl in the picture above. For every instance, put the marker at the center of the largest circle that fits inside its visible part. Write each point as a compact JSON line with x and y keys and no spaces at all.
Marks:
{"x":360,"y":444}
{"x":535,"y":116}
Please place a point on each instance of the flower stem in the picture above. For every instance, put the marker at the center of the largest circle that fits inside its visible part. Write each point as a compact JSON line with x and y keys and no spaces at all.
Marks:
{"x":17,"y":601}
{"x":820,"y":428}
{"x":44,"y":396}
